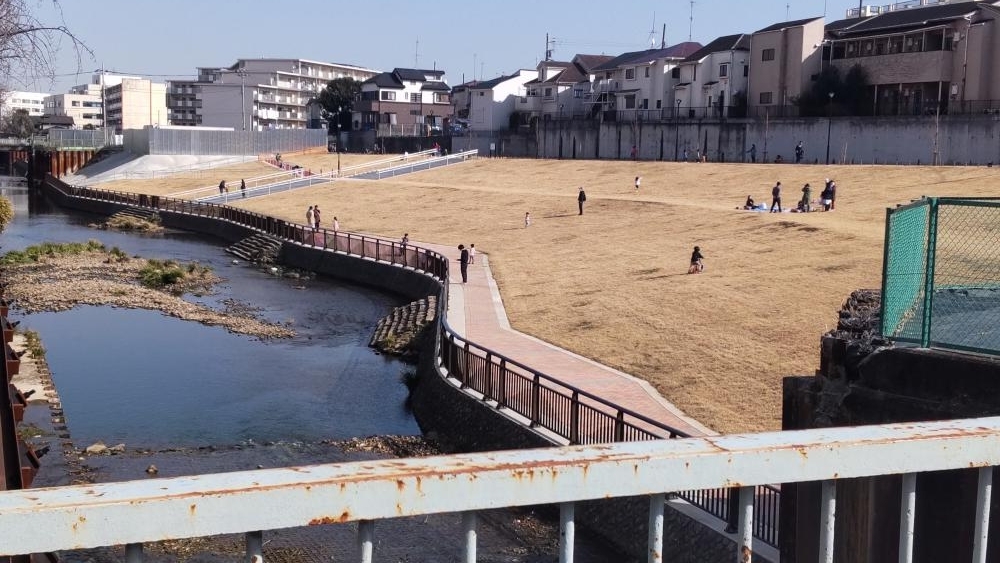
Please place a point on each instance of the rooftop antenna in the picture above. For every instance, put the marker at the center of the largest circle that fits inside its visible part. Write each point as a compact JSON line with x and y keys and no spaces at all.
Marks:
{"x":473,"y":67}
{"x":691,"y":24}
{"x":788,"y":7}
{"x":663,"y":38}
{"x":416,"y":54}
{"x":652,"y":33}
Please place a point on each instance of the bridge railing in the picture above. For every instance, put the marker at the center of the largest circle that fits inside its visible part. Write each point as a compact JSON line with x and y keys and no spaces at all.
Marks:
{"x":578,"y":417}
{"x":136,"y":512}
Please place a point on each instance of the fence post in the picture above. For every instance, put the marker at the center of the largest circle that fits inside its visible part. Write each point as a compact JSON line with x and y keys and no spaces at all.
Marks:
{"x":925,"y":325}
{"x":574,"y":419}
{"x":536,"y":392}
{"x":620,"y":427}
{"x":488,"y":387}
{"x":502,"y":395}
{"x":465,"y":366}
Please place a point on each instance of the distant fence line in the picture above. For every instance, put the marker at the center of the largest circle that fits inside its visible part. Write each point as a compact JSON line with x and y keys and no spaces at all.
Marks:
{"x":941,"y":274}
{"x":175,"y":141}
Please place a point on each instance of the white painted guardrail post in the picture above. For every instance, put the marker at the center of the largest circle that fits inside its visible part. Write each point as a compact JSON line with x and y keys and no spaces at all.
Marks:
{"x":255,"y":546}
{"x":907,"y":516}
{"x":469,"y":526}
{"x":745,"y":525}
{"x":133,"y":553}
{"x":656,"y":505}
{"x":982,"y":514}
{"x":567,"y":531}
{"x":828,"y":518}
{"x":366,"y":539}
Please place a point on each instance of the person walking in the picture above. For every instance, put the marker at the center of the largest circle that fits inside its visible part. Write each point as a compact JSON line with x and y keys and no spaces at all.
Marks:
{"x":527,"y":219}
{"x":222,"y":187}
{"x":463,"y":260}
{"x":833,"y":195}
{"x":336,"y":225}
{"x":799,"y":152}
{"x":580,"y":198}
{"x":638,"y":179}
{"x":753,"y":153}
{"x":697,"y":266}
{"x":403,"y":242}
{"x":316,"y":217}
{"x":243,"y":188}
{"x":310,"y":218}
{"x":776,"y":197}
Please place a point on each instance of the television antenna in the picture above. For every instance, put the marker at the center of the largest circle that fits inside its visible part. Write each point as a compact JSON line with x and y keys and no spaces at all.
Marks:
{"x":691,"y":22}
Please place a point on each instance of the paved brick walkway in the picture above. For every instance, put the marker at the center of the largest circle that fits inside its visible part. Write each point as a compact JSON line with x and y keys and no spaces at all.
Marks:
{"x":475,"y":310}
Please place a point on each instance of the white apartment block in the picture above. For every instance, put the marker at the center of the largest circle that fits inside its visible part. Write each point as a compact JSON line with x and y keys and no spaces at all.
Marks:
{"x":135,"y":103}
{"x":714,"y":79}
{"x":85,"y":109}
{"x":32,"y":102}
{"x":491,"y":102}
{"x":257,"y":94}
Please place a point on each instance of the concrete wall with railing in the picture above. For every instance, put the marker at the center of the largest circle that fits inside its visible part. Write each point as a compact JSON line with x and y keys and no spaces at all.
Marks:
{"x":949,"y":140}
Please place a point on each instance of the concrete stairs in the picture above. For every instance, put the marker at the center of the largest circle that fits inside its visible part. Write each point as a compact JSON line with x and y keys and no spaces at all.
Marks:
{"x":137,"y":213}
{"x":395,"y":333}
{"x":259,"y":249}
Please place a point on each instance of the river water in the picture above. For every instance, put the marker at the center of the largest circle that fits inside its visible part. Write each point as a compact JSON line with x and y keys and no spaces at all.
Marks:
{"x":151,"y":381}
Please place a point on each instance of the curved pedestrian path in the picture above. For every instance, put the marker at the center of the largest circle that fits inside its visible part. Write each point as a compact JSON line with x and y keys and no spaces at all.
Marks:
{"x":475,"y":310}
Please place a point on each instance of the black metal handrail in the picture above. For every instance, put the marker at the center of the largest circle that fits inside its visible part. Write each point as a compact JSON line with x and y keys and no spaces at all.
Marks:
{"x":574,"y":414}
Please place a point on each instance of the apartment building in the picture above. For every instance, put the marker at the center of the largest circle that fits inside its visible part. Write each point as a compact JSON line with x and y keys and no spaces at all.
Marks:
{"x":491,"y":102}
{"x":32,"y":102}
{"x":406,"y":101}
{"x":784,"y":59}
{"x":922,"y":59}
{"x":562,"y":89}
{"x":135,"y":103}
{"x":641,"y":80}
{"x":714,"y":79}
{"x":257,"y":94}
{"x":86,"y":110}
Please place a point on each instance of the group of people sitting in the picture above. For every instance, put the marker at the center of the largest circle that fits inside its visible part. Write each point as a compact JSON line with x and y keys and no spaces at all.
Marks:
{"x":827,"y":198}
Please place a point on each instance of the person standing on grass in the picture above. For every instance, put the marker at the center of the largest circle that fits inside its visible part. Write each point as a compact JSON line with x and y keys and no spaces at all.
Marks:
{"x":316,"y":217}
{"x":580,"y":198}
{"x":799,"y":152}
{"x":637,"y":181}
{"x":753,"y":152}
{"x":243,"y":188}
{"x":527,"y":219}
{"x":463,"y":260}
{"x":776,"y":197}
{"x":310,"y":217}
{"x":833,"y":195}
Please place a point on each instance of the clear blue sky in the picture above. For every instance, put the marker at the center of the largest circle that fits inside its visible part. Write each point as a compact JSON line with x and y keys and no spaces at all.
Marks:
{"x":467,"y":39}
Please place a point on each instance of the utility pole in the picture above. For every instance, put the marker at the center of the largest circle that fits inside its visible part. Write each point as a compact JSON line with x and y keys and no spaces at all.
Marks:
{"x":416,"y":54}
{"x":691,"y":22}
{"x":242,"y":73}
{"x":663,"y":37}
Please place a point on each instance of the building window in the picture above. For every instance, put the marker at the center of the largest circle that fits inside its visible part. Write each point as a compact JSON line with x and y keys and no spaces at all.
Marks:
{"x":388,"y":96}
{"x":548,"y":93}
{"x":481,"y":93}
{"x":415,"y":98}
{"x":767,"y":55}
{"x":746,"y":71}
{"x":675,"y":72}
{"x":723,"y":70}
{"x":578,"y":92}
{"x":645,"y":103}
{"x":659,"y":104}
{"x":766,"y":98}
{"x":630,"y":74}
{"x":630,"y":101}
{"x":647,"y":71}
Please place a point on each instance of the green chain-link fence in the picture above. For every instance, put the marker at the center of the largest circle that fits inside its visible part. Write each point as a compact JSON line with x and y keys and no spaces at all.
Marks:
{"x":941,"y":274}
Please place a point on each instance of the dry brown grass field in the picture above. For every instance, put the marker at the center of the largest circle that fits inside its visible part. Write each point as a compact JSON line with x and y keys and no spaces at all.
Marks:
{"x":612,"y":285}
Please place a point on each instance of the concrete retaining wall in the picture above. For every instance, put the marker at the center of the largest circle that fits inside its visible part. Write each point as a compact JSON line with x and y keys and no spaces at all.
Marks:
{"x":154,"y":140}
{"x":965,"y":139}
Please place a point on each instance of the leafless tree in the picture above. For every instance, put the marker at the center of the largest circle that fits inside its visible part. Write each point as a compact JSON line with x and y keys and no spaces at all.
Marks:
{"x":28,"y":46}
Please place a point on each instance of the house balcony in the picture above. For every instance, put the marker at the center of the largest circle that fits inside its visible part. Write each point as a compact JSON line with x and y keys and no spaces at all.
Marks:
{"x":927,"y":66}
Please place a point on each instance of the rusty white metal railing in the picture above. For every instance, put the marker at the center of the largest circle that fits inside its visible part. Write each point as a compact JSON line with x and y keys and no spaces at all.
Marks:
{"x":133,"y":513}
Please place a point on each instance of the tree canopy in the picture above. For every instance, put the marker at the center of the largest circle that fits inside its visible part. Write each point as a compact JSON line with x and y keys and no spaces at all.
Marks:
{"x":850,"y":94}
{"x":18,"y":124}
{"x":337,"y":100}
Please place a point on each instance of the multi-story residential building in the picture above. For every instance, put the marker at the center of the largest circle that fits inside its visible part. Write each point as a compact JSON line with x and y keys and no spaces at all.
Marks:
{"x":135,"y":103}
{"x":784,"y":58}
{"x":461,"y":99}
{"x":562,"y":89}
{"x":257,"y":94}
{"x":492,"y":102}
{"x":714,"y":79}
{"x":86,"y":110}
{"x":405,"y":101}
{"x":640,"y":80}
{"x":32,"y":102}
{"x":922,"y":59}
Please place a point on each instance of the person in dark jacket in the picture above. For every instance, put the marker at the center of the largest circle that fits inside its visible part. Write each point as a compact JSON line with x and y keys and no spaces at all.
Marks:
{"x":697,"y":266}
{"x":463,"y":260}
{"x":580,"y":198}
{"x":776,"y":197}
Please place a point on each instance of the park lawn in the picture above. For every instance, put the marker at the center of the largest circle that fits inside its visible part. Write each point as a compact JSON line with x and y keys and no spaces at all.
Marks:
{"x":611,"y":285}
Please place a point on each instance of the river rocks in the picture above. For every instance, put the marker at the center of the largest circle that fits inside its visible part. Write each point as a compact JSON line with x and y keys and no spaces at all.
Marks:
{"x":61,"y":282}
{"x":97,"y":448}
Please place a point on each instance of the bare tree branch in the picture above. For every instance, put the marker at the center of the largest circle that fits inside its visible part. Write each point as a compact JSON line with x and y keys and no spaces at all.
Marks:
{"x":28,"y":47}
